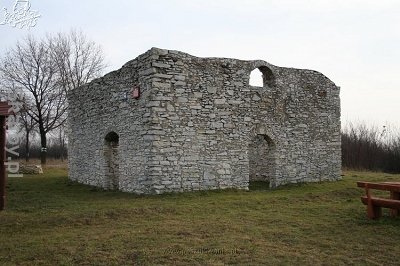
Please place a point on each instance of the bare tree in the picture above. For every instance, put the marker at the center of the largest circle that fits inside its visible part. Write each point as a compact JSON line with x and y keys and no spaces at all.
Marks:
{"x":46,"y":70}
{"x":78,"y":59}
{"x":28,"y":126}
{"x":29,"y":65}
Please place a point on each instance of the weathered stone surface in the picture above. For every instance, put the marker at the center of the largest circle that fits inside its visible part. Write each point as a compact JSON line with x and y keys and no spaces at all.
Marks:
{"x":30,"y":169}
{"x":198,"y":124}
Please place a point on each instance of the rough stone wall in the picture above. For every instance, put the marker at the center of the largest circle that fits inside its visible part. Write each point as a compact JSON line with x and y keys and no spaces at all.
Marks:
{"x":199,"y":125}
{"x":96,"y":110}
{"x":260,"y":159}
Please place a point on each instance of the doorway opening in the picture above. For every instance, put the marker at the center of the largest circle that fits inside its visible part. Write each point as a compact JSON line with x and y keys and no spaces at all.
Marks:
{"x":261,"y":162}
{"x":111,"y":146}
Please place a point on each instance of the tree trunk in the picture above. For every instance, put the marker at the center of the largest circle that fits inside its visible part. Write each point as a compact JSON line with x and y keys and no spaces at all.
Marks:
{"x":61,"y":145}
{"x":43,"y":151}
{"x":27,"y":146}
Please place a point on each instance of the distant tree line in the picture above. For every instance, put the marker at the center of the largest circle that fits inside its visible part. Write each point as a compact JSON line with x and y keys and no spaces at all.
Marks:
{"x":56,"y":150}
{"x":366,"y":147}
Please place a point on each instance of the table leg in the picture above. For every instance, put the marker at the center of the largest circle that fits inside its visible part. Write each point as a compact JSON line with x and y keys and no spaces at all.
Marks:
{"x":396,"y":196}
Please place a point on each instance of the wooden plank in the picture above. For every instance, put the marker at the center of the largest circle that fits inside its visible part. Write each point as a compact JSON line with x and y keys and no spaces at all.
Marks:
{"x":4,"y":112}
{"x":395,"y":196}
{"x":4,"y":107}
{"x":386,"y":203}
{"x":374,"y":206}
{"x":388,"y":186}
{"x":2,"y":166}
{"x":371,"y":211}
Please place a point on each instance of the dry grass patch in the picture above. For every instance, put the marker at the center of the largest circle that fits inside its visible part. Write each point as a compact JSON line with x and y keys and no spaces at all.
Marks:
{"x":51,"y":220}
{"x":50,"y":163}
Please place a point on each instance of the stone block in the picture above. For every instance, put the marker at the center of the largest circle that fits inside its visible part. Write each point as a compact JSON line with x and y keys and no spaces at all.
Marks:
{"x":30,"y":169}
{"x":212,"y":90}
{"x":219,"y":101}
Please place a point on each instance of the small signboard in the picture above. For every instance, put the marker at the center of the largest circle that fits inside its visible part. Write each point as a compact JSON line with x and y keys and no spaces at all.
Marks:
{"x":136,"y":93}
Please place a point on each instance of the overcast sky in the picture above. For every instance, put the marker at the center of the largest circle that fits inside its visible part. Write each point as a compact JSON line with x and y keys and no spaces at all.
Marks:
{"x":355,"y":43}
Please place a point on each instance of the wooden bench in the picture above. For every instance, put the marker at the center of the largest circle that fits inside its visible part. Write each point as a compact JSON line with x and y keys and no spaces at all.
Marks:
{"x":375,"y":204}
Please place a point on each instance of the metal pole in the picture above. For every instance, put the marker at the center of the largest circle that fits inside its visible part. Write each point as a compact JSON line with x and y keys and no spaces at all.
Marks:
{"x":2,"y":159}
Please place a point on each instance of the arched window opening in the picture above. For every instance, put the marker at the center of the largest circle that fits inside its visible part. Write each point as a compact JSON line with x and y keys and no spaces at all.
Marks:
{"x":111,"y":146}
{"x":262,"y":77}
{"x":256,"y":78}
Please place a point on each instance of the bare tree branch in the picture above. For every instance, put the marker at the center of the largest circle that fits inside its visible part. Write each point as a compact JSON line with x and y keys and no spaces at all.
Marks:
{"x":46,"y":70}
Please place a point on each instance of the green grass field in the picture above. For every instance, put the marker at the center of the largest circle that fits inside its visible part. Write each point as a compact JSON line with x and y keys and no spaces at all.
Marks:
{"x":51,"y":220}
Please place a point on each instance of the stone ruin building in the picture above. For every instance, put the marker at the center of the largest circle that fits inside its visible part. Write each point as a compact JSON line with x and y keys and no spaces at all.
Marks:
{"x":169,"y":122}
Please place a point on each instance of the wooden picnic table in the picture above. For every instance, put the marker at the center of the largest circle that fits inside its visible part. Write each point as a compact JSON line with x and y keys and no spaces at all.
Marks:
{"x":375,"y":204}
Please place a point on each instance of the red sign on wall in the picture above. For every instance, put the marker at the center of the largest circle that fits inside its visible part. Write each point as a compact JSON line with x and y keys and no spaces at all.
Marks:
{"x":136,"y":93}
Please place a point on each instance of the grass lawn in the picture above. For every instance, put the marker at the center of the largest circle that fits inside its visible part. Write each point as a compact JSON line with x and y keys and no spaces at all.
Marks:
{"x":51,"y":220}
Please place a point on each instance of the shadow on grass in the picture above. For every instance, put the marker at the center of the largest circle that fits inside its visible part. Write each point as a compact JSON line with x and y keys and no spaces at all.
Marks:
{"x":258,"y":185}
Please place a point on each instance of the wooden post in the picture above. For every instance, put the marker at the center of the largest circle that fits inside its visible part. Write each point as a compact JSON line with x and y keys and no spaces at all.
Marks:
{"x":2,"y":160}
{"x":396,"y":196}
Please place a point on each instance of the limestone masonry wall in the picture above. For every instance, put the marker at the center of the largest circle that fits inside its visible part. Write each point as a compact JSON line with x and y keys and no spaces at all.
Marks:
{"x":198,"y":125}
